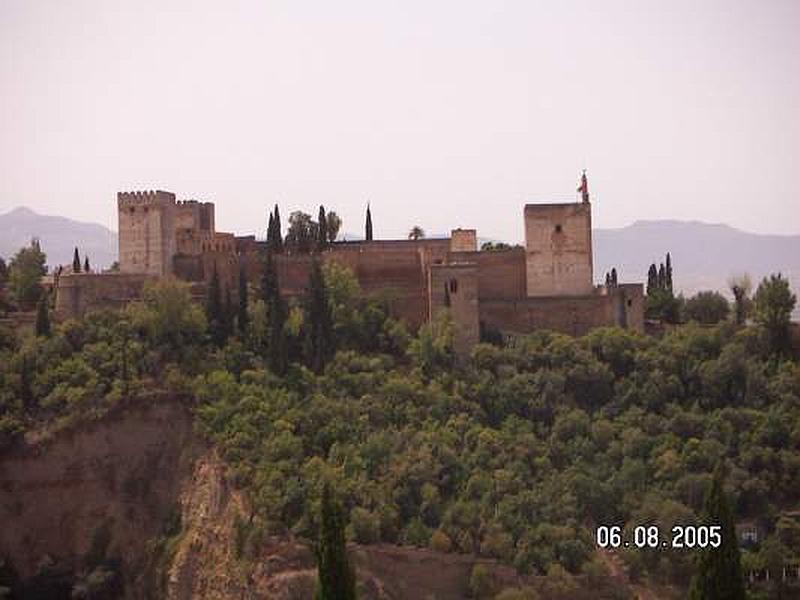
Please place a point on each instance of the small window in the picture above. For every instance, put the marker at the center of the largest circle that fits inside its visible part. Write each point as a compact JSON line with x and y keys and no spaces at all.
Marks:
{"x":453,"y":286}
{"x":558,"y":228}
{"x":630,"y":302}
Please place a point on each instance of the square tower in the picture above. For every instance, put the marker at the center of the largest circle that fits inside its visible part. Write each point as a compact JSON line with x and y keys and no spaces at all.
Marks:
{"x":463,"y":240}
{"x":558,"y":249}
{"x":454,"y":286}
{"x":147,"y":242}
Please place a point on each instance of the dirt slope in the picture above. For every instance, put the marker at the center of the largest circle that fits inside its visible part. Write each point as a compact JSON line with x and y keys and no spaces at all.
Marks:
{"x":114,"y":486}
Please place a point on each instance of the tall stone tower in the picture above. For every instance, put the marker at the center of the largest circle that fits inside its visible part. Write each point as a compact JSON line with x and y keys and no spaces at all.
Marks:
{"x":147,"y":242}
{"x":558,"y":247}
{"x":455,"y":286}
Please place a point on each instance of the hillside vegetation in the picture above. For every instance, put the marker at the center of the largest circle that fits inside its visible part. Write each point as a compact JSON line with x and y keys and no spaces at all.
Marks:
{"x":515,"y":452}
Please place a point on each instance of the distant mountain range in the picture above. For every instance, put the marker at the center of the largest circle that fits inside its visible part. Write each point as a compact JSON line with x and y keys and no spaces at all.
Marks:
{"x":704,"y":255}
{"x":58,"y":237}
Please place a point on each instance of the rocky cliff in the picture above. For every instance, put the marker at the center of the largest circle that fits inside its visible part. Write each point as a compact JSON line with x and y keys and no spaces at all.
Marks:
{"x":136,"y":505}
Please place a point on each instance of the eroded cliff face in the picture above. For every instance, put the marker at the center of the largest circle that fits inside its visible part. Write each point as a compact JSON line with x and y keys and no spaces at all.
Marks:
{"x":104,"y":488}
{"x":140,"y":491}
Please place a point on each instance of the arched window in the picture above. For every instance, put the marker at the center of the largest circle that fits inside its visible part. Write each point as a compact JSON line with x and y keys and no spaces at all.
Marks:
{"x":453,"y":286}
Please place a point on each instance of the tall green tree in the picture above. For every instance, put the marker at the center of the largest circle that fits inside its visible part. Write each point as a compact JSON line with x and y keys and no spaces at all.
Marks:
{"x":243,"y":316}
{"x":26,"y":371}
{"x":718,"y":574}
{"x":76,"y":261}
{"x":368,"y":225}
{"x":302,"y":233}
{"x":24,"y":274}
{"x":652,"y":279}
{"x":707,"y":308}
{"x":334,"y":223}
{"x":271,"y":230}
{"x":337,"y":579}
{"x":3,"y":272}
{"x":740,"y":287}
{"x":43,"y":317}
{"x":774,"y":303}
{"x":322,"y":229}
{"x":228,"y":315}
{"x":319,"y":340}
{"x":215,"y":310}
{"x":277,"y":230}
{"x":277,"y":313}
{"x":668,"y":274}
{"x":86,"y":266}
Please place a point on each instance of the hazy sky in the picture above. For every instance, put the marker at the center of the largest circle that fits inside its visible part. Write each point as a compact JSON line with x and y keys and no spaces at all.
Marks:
{"x":441,"y":113}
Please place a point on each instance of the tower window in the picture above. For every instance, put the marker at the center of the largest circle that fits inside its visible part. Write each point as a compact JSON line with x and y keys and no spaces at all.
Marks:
{"x":558,"y":228}
{"x":453,"y":286}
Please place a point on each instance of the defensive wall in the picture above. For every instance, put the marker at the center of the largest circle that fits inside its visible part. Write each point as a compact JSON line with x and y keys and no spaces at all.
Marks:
{"x":547,"y":284}
{"x":79,"y":293}
{"x":575,"y":315}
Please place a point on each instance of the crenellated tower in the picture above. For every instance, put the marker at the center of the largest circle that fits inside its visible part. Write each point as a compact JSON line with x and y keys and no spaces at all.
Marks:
{"x":147,"y":241}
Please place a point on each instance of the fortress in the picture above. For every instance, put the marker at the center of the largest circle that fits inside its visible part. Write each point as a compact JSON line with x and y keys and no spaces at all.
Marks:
{"x":548,"y":284}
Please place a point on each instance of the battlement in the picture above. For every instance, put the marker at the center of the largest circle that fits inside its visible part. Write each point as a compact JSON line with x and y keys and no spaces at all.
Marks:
{"x":145,"y":198}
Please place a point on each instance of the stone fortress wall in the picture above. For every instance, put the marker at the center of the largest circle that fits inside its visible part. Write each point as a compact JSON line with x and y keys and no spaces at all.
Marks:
{"x":548,"y":284}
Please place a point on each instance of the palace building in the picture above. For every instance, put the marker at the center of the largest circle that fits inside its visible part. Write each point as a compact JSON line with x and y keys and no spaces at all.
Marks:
{"x":547,"y":284}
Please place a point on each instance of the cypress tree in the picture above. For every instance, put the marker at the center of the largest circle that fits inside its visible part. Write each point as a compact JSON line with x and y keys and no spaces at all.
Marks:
{"x":277,"y":231}
{"x":278,"y":357}
{"x":214,"y":309}
{"x":43,"y":317}
{"x":322,"y":229}
{"x":227,"y":316}
{"x":26,"y":389}
{"x":337,"y":579}
{"x":662,"y":277}
{"x":124,"y":334}
{"x":652,"y":279}
{"x":277,"y":350}
{"x":243,"y":316}
{"x":614,"y":281}
{"x":269,"y":279}
{"x":320,"y":343}
{"x":76,"y":262}
{"x":719,"y":571}
{"x":668,"y":274}
{"x":270,"y":230}
{"x":3,"y":272}
{"x":86,"y":268}
{"x":368,"y":226}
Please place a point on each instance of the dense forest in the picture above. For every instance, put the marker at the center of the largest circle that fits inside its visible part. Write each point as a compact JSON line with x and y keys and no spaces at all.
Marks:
{"x":515,"y":452}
